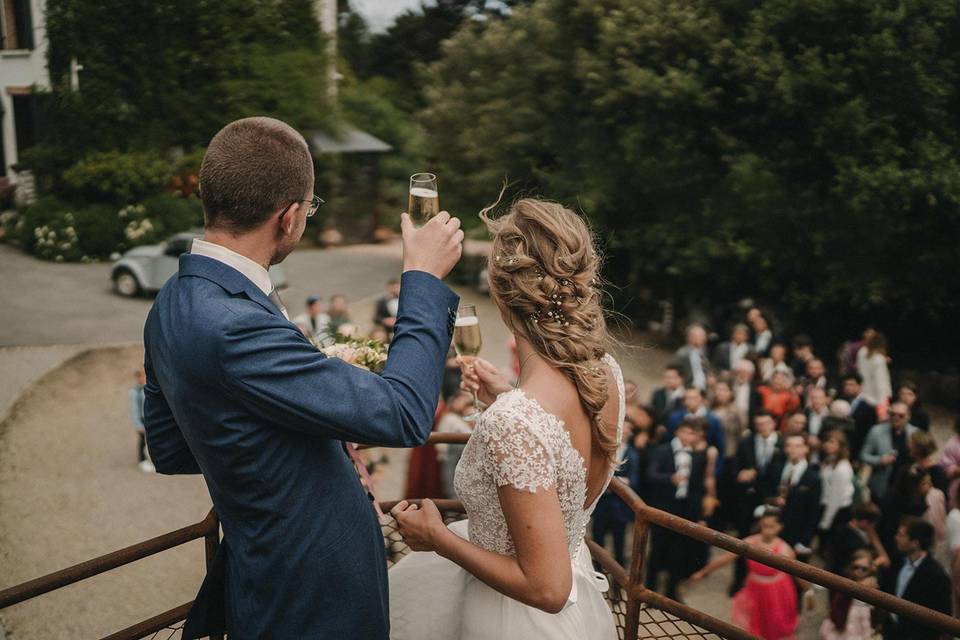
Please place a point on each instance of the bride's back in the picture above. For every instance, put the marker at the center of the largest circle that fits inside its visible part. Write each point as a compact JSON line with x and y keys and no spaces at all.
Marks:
{"x":558,"y":395}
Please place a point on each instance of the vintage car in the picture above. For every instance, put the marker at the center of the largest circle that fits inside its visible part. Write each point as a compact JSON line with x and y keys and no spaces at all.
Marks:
{"x":145,"y":269}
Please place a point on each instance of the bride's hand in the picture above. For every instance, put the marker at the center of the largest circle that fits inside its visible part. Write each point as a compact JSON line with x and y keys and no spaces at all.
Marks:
{"x":484,"y":379}
{"x":421,"y":527}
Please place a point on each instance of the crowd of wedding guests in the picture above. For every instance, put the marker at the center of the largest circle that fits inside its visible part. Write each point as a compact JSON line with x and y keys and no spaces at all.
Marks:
{"x":825,"y":463}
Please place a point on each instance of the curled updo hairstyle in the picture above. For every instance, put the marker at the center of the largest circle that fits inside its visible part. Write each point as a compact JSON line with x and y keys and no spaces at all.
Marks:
{"x":543,"y":272}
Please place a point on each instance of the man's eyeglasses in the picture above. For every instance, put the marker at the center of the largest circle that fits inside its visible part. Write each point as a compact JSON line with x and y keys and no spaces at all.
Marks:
{"x":315,"y":203}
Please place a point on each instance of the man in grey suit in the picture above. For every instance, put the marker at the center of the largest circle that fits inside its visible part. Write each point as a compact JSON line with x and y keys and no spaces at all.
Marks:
{"x":886,"y":448}
{"x":728,"y":354}
{"x":692,"y":358}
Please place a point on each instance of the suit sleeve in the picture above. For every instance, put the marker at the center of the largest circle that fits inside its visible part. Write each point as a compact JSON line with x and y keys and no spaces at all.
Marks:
{"x":811,"y":519}
{"x":168,"y":449}
{"x":869,"y":453}
{"x":655,"y":471}
{"x":282,"y":378}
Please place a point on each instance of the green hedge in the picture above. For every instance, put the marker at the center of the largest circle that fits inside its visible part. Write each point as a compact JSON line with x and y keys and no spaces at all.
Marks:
{"x":55,"y":230}
{"x":116,"y":177}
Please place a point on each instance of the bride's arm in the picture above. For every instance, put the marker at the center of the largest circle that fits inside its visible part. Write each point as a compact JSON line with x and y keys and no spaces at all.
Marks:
{"x":540,"y":576}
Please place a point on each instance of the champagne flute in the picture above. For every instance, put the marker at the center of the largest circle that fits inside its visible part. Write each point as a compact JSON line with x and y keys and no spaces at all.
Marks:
{"x":424,"y":202}
{"x":467,"y":342}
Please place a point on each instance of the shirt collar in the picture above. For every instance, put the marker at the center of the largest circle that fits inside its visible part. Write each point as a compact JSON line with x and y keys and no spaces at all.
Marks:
{"x":677,"y":446}
{"x":253,"y":271}
{"x":915,"y":563}
{"x":770,"y":439}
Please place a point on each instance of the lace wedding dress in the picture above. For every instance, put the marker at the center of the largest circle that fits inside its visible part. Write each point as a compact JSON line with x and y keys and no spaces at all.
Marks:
{"x":519,"y":444}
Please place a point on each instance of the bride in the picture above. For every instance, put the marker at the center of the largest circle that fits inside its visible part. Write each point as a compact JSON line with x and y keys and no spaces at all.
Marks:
{"x":539,"y":458}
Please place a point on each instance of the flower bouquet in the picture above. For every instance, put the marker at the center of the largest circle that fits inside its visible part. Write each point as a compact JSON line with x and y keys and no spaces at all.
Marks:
{"x":359,"y":351}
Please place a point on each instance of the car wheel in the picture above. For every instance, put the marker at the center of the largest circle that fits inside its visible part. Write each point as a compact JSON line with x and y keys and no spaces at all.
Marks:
{"x":126,"y":284}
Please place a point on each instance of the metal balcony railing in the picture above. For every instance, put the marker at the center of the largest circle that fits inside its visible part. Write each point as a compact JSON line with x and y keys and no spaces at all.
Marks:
{"x":638,"y":612}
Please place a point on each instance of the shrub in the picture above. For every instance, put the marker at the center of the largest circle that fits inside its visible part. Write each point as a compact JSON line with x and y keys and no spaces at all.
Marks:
{"x":99,"y":229}
{"x":48,"y":229}
{"x":171,"y":213}
{"x":117,"y":178}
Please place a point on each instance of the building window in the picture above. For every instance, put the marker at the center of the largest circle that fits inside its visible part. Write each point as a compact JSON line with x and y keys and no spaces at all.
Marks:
{"x":17,"y":23}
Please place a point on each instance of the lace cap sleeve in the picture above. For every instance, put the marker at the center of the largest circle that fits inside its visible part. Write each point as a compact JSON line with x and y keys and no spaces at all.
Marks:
{"x":516,"y":448}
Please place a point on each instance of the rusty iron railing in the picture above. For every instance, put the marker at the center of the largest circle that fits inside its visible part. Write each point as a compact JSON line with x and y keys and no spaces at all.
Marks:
{"x":208,"y":529}
{"x":639,"y":599}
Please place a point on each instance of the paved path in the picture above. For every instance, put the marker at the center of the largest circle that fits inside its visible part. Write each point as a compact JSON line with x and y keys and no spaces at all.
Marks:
{"x":47,"y":303}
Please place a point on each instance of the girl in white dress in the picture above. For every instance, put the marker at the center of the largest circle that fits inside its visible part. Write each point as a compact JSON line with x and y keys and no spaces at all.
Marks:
{"x":539,"y":458}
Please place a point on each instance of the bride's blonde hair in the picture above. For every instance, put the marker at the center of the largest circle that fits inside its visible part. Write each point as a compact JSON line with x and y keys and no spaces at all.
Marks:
{"x":544,"y":272}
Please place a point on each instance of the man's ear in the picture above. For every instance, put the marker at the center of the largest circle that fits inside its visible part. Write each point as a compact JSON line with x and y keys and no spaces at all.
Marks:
{"x":288,"y":219}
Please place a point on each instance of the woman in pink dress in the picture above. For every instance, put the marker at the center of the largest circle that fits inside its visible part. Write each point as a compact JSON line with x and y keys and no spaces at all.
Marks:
{"x":766,"y":606}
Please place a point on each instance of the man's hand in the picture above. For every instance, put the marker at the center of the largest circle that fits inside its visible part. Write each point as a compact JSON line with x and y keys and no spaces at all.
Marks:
{"x":435,"y":247}
{"x":746,"y":475}
{"x":887,"y":459}
{"x":482,"y":378}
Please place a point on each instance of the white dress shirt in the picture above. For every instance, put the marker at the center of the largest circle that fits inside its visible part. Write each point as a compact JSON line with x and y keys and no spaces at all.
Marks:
{"x":815,"y":421}
{"x":763,"y":341}
{"x":683,"y":461}
{"x":792,"y":473}
{"x":737,"y":353}
{"x":254,"y":272}
{"x":764,"y":449}
{"x":696,"y":367}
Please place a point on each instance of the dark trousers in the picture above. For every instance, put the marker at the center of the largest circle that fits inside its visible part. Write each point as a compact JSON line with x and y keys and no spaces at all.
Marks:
{"x":603,"y":526}
{"x":141,"y":447}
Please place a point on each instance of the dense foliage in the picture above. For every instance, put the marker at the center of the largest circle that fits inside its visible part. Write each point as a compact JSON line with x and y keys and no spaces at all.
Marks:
{"x":803,"y":153}
{"x":172,"y":72}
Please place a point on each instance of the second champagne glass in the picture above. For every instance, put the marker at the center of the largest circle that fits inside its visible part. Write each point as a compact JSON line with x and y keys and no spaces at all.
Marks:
{"x":467,"y":342}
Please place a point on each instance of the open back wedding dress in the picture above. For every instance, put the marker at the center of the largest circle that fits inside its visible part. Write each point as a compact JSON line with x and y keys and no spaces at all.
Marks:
{"x":517,"y":443}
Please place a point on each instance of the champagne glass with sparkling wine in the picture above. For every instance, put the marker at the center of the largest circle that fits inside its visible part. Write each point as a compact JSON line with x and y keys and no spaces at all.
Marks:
{"x":467,"y":343}
{"x":424,"y":200}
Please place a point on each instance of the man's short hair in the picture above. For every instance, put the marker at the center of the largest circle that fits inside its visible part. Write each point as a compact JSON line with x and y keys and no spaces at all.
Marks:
{"x":672,"y":367}
{"x":919,"y":530}
{"x":853,"y":376}
{"x":801,"y":341}
{"x":253,"y":168}
{"x":762,"y":413}
{"x":696,"y":423}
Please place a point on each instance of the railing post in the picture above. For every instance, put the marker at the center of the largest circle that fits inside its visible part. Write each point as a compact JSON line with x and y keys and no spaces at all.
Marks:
{"x":641,"y":531}
{"x":211,"y":543}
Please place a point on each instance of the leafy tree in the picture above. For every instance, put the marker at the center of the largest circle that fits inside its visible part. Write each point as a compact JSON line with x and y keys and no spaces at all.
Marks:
{"x":801,"y":153}
{"x":171,"y":72}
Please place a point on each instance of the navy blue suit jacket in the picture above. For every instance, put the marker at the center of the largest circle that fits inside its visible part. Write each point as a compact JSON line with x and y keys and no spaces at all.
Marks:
{"x":715,"y":435}
{"x":234,"y":391}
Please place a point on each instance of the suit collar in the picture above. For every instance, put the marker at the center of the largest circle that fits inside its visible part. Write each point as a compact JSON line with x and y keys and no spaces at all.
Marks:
{"x":231,"y":280}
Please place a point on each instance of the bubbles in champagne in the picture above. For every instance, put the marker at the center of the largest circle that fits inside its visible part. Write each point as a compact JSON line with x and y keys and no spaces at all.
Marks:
{"x":466,"y":337}
{"x":424,"y":204}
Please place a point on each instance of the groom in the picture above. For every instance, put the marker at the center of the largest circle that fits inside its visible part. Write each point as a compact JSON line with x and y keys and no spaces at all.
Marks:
{"x":235,"y":392}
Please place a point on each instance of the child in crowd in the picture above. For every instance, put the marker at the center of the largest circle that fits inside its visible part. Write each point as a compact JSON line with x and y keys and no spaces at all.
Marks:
{"x":766,"y":606}
{"x":135,"y":399}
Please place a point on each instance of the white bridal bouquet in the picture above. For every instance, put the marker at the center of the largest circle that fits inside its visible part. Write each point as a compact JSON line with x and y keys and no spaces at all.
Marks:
{"x":359,"y":351}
